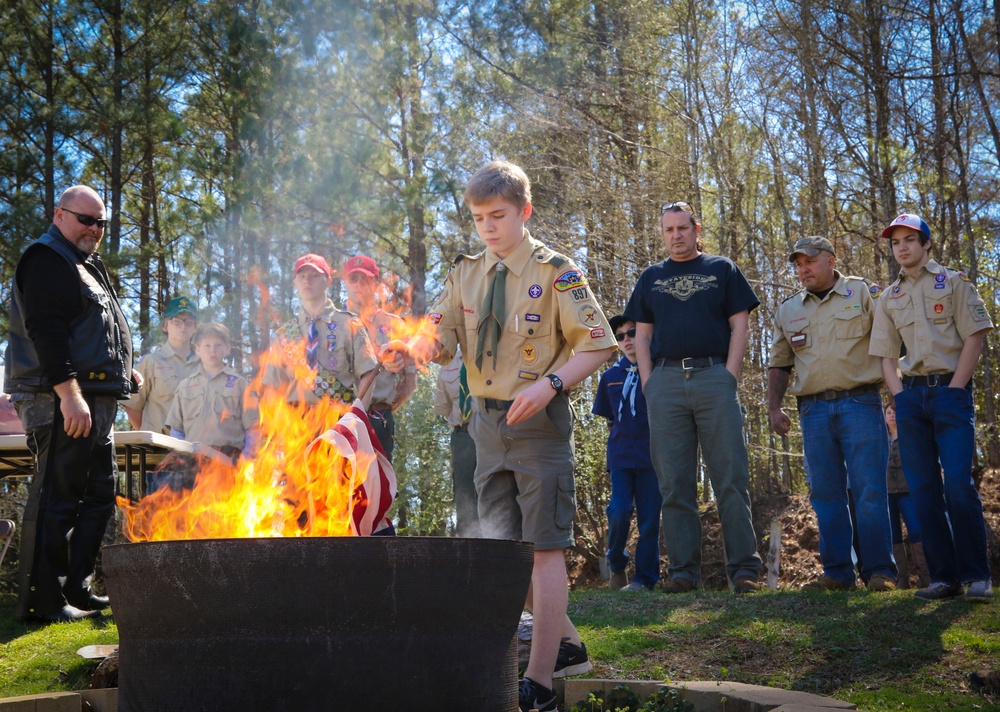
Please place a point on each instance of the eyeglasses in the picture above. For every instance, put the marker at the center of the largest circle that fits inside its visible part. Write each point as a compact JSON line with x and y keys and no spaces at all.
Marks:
{"x":620,"y":335}
{"x":88,"y":220}
{"x":678,"y":205}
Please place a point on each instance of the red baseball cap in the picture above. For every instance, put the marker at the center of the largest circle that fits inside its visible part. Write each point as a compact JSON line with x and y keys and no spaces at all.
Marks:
{"x":316,"y":262}
{"x":361,"y":263}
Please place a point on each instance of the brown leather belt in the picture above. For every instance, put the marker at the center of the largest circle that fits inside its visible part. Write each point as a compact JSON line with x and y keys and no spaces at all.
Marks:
{"x":837,"y":395}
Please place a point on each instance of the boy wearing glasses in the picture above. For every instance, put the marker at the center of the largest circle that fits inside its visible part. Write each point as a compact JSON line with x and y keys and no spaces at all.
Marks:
{"x":692,"y":315}
{"x":392,"y":388}
{"x":620,"y":401}
{"x":164,"y":368}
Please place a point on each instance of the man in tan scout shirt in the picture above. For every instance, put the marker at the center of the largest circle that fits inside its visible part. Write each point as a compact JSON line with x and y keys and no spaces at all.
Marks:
{"x":936,"y":313}
{"x":164,"y":368}
{"x":391,"y":389}
{"x":822,"y":333}
{"x":529,"y":328}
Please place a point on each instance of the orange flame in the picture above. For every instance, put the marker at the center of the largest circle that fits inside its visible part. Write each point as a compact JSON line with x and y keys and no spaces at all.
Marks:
{"x":292,"y":485}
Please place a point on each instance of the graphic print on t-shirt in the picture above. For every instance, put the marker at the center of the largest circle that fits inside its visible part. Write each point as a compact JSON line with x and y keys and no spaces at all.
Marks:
{"x":685,"y":286}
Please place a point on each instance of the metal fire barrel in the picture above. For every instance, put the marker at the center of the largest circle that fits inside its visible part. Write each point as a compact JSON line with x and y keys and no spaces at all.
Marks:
{"x":318,"y":623}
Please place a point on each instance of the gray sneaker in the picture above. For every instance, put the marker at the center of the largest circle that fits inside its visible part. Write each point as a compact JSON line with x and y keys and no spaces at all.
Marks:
{"x":938,"y":591}
{"x":636,"y":586}
{"x":980,"y":591}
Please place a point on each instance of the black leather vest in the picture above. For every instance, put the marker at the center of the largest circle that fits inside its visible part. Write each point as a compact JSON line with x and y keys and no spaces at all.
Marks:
{"x":99,"y":338}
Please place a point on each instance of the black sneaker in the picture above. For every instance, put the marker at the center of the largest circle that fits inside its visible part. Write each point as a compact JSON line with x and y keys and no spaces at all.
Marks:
{"x":572,"y":660}
{"x":532,"y":696}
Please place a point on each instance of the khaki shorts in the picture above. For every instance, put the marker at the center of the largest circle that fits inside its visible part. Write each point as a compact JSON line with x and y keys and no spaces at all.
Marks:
{"x":524,"y":475}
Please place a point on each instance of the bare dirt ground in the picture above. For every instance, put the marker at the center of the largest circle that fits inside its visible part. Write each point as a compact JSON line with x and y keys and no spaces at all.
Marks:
{"x":799,"y":561}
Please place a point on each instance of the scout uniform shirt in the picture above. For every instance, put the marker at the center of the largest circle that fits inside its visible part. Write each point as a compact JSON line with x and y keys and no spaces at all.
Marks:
{"x":826,"y":340}
{"x":380,"y":332}
{"x":447,"y":394}
{"x":162,"y":371}
{"x":344,"y":354}
{"x":933,"y":315}
{"x":550,"y":313}
{"x":211,"y":410}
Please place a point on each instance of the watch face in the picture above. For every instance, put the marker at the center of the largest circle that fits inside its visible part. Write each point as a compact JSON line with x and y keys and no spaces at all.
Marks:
{"x":556,"y":382}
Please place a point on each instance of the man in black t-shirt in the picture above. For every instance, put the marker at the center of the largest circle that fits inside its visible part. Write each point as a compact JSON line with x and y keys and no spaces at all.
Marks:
{"x":692,"y":315}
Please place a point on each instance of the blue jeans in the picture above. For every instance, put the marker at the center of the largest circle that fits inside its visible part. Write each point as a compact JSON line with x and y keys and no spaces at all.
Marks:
{"x":902,"y":506}
{"x":937,"y":431}
{"x":642,"y":487}
{"x":846,"y":445}
{"x":688,"y":408}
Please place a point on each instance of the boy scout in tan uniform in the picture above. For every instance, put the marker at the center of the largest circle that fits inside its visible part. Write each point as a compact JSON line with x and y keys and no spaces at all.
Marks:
{"x":391,"y":389}
{"x":936,"y":313}
{"x":529,"y":327}
{"x":164,"y":368}
{"x":343,"y":358}
{"x":823,"y":333}
{"x":210,"y":408}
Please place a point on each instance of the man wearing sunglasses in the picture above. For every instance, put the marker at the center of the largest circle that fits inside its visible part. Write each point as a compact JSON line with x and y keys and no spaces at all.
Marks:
{"x":68,"y":363}
{"x":692,"y":315}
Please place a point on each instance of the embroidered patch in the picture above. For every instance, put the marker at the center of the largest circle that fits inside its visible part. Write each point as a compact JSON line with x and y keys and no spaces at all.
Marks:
{"x":895,"y":290}
{"x":568,"y":280}
{"x":529,"y":354}
{"x":580,"y":294}
{"x":940,"y":321}
{"x":527,"y":375}
{"x":535,"y":291}
{"x":383,"y":329}
{"x":597,"y":333}
{"x":231,"y":381}
{"x":850,"y":293}
{"x":532,"y":317}
{"x":979,"y":312}
{"x":798,"y":340}
{"x":434,"y":318}
{"x":939,"y":286}
{"x":875,"y":290}
{"x":332,"y":326}
{"x":468,"y":311}
{"x":940,"y":278}
{"x":964,"y":277}
{"x":589,"y":316}
{"x":938,"y":308}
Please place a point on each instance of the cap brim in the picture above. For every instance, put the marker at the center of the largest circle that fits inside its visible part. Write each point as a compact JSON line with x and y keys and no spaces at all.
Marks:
{"x":362,"y":270}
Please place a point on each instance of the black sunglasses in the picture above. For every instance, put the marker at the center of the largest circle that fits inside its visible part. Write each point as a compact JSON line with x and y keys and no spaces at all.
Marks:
{"x":679,"y":205}
{"x":88,"y":220}
{"x":620,"y":335}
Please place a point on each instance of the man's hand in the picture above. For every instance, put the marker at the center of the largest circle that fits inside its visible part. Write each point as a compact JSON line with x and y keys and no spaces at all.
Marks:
{"x":76,"y":415}
{"x":530,"y":401}
{"x":780,"y":422}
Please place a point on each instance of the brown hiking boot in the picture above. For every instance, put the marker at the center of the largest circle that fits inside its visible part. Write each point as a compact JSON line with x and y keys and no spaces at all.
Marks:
{"x":746,"y":584}
{"x":618,"y":580}
{"x":828,"y":583}
{"x":679,"y":584}
{"x":985,"y":682}
{"x":881,"y":582}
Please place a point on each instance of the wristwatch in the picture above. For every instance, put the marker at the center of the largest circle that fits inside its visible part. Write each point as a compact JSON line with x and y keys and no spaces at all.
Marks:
{"x":556,"y":382}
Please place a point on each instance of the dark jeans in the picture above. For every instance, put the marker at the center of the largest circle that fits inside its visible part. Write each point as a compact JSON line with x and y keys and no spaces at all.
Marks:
{"x":902,"y":506}
{"x":384,"y":426}
{"x":463,"y":471}
{"x":69,"y":504}
{"x":937,"y":432}
{"x":643,"y":488}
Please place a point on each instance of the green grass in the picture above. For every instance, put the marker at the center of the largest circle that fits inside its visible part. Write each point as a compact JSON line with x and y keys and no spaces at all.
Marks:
{"x":880,"y":651}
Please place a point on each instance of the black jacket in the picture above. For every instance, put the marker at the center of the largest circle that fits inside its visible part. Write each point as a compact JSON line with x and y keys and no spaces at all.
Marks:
{"x":65,"y":322}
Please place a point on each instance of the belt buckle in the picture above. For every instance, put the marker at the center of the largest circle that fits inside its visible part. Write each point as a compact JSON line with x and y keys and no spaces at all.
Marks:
{"x":829,"y":395}
{"x":934,"y":380}
{"x":684,"y":365}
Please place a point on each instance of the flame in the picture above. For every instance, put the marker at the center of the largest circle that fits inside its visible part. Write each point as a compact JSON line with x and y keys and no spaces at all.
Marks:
{"x":294,"y":484}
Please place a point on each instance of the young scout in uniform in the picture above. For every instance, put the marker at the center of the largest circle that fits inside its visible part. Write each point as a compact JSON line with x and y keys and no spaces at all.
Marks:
{"x":823,"y":333}
{"x":164,"y":368}
{"x":391,"y":390}
{"x":936,"y":313}
{"x":453,"y":403}
{"x":529,"y":328}
{"x":209,"y":407}
{"x":336,"y":343}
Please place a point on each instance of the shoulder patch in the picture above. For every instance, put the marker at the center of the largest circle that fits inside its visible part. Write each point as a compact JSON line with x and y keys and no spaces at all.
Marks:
{"x":964,"y":277}
{"x":569,"y":279}
{"x":875,"y":290}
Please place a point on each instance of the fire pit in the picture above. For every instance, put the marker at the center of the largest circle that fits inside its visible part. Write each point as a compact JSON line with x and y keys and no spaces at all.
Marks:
{"x":318,"y":623}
